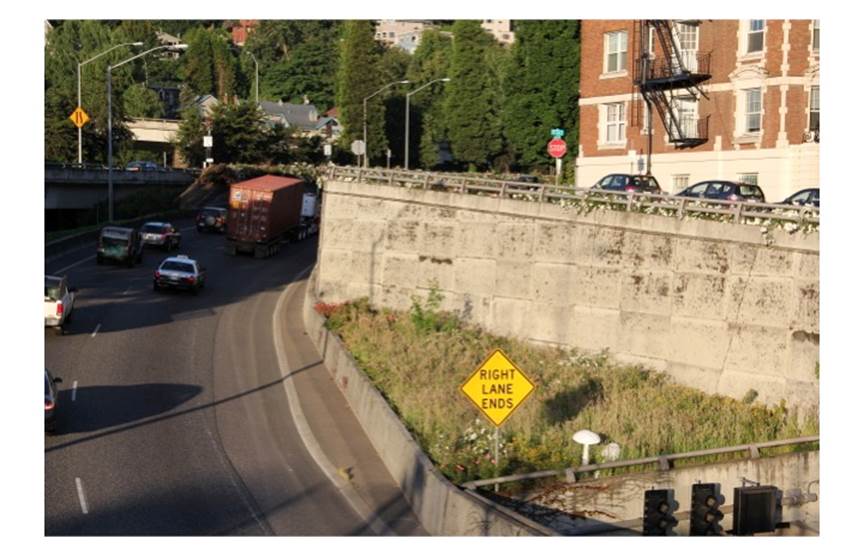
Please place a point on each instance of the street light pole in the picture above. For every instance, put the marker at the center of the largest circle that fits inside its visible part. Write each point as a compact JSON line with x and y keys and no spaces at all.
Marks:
{"x":408,"y":108}
{"x":80,"y":153}
{"x":110,"y":129}
{"x":256,"y":75}
{"x":365,"y":144}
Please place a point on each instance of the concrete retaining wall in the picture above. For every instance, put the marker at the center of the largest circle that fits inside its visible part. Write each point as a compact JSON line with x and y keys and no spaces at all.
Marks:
{"x":710,"y":303}
{"x":442,"y":508}
{"x":617,"y":502}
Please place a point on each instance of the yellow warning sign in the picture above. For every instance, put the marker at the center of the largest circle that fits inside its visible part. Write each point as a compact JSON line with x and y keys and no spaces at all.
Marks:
{"x":497,"y":387}
{"x":79,"y":117}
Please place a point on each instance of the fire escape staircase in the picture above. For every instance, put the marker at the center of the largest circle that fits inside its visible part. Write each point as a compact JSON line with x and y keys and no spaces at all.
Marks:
{"x":661,"y":78}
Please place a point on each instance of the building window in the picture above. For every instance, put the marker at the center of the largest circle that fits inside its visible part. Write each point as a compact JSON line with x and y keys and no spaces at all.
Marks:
{"x":616,"y":51}
{"x":814,"y":109}
{"x":687,"y":39}
{"x":815,"y":35}
{"x":684,"y":110}
{"x":750,"y":178}
{"x":680,"y":181}
{"x":614,"y":122}
{"x":756,"y":36}
{"x":753,"y":110}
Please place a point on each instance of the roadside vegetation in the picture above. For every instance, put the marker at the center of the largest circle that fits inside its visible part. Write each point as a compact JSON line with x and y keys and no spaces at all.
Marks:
{"x":418,"y":359}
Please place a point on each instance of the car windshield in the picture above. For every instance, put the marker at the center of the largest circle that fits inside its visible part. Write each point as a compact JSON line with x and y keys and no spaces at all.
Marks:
{"x":154,"y":228}
{"x":52,"y":288}
{"x":178,"y":266}
{"x":211,"y":212}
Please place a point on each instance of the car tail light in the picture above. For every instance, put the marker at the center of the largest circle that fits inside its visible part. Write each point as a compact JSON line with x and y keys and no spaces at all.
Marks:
{"x":190,"y":279}
{"x":59,"y":308}
{"x":630,"y":188}
{"x":49,"y":405}
{"x":156,"y":274}
{"x":733,"y":197}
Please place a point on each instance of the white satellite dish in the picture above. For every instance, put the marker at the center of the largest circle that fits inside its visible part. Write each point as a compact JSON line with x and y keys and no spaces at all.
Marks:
{"x":586,"y":438}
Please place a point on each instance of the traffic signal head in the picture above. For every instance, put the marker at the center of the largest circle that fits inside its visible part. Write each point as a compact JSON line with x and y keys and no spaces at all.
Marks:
{"x":658,"y":516}
{"x":705,"y":514}
{"x":757,"y":509}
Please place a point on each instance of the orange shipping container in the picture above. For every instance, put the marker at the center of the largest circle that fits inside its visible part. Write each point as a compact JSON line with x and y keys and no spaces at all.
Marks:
{"x":264,"y":208}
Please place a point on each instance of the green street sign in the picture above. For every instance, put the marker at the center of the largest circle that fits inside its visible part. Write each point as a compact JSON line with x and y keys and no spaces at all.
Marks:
{"x":557,"y":133}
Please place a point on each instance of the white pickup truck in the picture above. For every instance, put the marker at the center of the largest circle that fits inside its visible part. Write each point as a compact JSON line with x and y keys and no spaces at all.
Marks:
{"x":59,"y":302}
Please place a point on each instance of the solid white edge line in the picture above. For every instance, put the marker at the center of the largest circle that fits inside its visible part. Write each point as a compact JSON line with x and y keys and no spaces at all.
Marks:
{"x":98,"y":326}
{"x":343,"y":486}
{"x":74,"y":390}
{"x":81,"y":498}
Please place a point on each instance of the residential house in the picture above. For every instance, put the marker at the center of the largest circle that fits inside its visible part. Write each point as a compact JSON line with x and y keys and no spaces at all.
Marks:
{"x":303,"y":117}
{"x":501,"y":29}
{"x":727,"y":99}
{"x":389,"y":31}
{"x":241,"y":29}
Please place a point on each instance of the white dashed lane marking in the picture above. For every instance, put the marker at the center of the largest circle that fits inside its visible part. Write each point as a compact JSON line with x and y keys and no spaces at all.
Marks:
{"x":98,"y":326}
{"x":79,"y":486}
{"x":74,"y":390}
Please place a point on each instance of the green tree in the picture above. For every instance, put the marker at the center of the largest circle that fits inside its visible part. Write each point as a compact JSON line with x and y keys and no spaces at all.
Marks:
{"x":209,"y":67}
{"x":541,"y":88}
{"x":141,"y":102}
{"x":357,"y":79}
{"x":472,"y":113}
{"x":239,"y":133}
{"x":430,"y":61}
{"x":190,"y":136}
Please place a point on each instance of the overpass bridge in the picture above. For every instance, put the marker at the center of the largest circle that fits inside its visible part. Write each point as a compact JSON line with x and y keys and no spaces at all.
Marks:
{"x":69,"y":186}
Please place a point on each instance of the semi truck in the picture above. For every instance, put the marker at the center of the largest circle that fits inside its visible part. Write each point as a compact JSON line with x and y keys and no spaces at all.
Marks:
{"x":267,"y":211}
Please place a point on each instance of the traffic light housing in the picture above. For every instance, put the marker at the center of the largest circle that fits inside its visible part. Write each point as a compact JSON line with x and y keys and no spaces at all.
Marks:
{"x":705,"y":514}
{"x":658,"y":519}
{"x":757,"y":509}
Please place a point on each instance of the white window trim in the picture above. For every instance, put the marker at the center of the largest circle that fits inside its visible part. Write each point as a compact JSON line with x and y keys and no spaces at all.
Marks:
{"x":741,"y":135}
{"x":620,"y":72}
{"x":695,"y":118}
{"x":695,"y":50}
{"x":744,"y":36}
{"x":809,"y":91}
{"x":603,"y":124}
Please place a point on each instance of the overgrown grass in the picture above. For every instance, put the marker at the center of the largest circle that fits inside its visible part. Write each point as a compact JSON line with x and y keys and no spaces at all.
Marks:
{"x":419,"y":359}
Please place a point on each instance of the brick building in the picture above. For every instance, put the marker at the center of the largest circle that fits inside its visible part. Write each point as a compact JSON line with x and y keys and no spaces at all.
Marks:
{"x":729,"y":99}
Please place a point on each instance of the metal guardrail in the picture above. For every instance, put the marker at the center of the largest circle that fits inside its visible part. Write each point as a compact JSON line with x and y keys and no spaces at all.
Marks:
{"x":664,"y":462}
{"x":98,"y":166}
{"x":741,"y":212}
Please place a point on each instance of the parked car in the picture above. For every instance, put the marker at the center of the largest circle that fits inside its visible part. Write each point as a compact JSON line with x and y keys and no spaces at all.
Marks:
{"x":212,"y":218}
{"x":120,"y":244}
{"x":180,"y":272}
{"x":59,"y":302}
{"x":808,"y":196}
{"x":142,"y":166}
{"x":160,"y":234}
{"x":528,"y":178}
{"x":51,"y":401}
{"x":636,"y":183}
{"x":721,"y":190}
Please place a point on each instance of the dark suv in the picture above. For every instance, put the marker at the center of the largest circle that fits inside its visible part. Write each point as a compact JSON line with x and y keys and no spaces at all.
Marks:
{"x":212,"y":218}
{"x":627,"y":183}
{"x":720,"y":190}
{"x":808,"y":197}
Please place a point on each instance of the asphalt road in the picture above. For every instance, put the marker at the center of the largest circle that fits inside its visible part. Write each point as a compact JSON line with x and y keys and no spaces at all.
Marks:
{"x":173,"y":419}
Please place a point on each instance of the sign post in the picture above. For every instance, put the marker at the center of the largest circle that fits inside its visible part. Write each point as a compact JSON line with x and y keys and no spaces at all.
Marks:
{"x":557,"y":148}
{"x":358,"y":147}
{"x":497,"y":387}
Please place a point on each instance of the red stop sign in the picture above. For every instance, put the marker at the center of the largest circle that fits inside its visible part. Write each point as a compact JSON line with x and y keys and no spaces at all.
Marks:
{"x":557,"y":148}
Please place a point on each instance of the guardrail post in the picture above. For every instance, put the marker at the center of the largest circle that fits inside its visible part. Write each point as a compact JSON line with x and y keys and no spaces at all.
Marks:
{"x":681,"y":207}
{"x":738,"y":209}
{"x":569,"y":475}
{"x":503,"y":189}
{"x":426,"y":181}
{"x":543,"y":193}
{"x":630,"y":201}
{"x":754,"y":452}
{"x":664,"y":463}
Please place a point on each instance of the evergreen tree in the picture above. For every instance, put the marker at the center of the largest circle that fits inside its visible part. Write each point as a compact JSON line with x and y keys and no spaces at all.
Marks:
{"x":239,"y":133}
{"x":208,"y":65}
{"x":357,"y":79}
{"x":141,"y":102}
{"x":542,"y":89}
{"x":190,"y":138}
{"x":472,"y":116}
{"x":430,"y":61}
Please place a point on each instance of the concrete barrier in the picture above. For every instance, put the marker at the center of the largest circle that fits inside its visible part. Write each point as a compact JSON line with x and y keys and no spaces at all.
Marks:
{"x":442,"y":508}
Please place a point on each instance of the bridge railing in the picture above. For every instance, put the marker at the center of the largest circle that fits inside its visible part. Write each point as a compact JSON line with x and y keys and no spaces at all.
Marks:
{"x":100,"y":166}
{"x":742,"y":212}
{"x":662,"y":462}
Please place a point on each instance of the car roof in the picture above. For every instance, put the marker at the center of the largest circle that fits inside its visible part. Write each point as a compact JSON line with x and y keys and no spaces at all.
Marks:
{"x":213,"y":208}
{"x":178,"y":259}
{"x":157,"y":223}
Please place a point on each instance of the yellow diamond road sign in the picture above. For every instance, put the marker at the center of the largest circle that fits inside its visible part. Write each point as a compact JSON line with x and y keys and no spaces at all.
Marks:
{"x":79,"y":117}
{"x":497,"y":387}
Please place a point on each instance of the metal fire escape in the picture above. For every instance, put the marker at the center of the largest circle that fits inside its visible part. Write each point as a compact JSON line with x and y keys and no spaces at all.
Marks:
{"x":665,"y":79}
